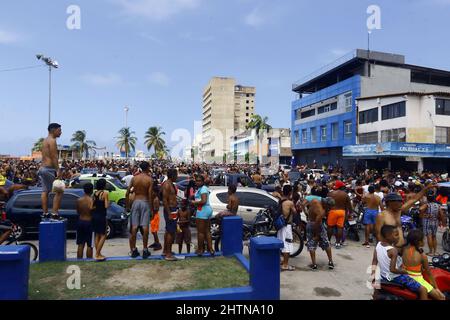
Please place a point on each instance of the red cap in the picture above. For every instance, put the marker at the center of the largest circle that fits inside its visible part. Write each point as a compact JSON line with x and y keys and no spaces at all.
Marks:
{"x":338,"y":185}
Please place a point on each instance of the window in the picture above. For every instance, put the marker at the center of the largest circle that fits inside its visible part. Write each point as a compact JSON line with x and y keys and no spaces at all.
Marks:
{"x":248,"y":101}
{"x":29,"y":201}
{"x":110,"y":187}
{"x":334,"y":131}
{"x":347,"y":129}
{"x":246,"y":114}
{"x":313,"y":134}
{"x":80,"y":184}
{"x":308,"y":113}
{"x":348,"y":102}
{"x":323,"y":133}
{"x":368,"y":138}
{"x":443,"y":107}
{"x":443,"y":135}
{"x":296,"y":137}
{"x":247,"y":108}
{"x":256,"y":200}
{"x":394,"y":135}
{"x":327,"y":108}
{"x":305,"y":136}
{"x":368,"y":116}
{"x":395,"y":110}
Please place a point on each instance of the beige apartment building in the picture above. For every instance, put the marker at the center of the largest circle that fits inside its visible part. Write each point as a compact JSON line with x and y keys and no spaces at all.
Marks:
{"x":227,"y":109}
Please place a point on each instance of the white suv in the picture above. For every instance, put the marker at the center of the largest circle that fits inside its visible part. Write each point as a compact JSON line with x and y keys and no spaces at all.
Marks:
{"x":251,"y":201}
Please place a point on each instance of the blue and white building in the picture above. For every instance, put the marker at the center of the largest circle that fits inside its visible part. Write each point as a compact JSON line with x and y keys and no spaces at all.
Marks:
{"x":325,"y":127}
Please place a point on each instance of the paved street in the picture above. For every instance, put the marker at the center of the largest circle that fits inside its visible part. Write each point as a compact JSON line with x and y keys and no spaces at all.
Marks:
{"x":346,"y":282}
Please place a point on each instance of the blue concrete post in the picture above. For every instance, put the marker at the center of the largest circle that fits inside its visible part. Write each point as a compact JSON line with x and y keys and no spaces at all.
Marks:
{"x":232,"y":234}
{"x":52,"y":241}
{"x":265,"y":268}
{"x":14,"y":271}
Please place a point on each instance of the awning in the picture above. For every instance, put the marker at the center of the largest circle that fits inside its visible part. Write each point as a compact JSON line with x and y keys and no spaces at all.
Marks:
{"x":397,"y":149}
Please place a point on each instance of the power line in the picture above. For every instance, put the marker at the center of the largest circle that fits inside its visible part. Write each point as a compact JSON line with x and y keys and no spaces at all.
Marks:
{"x":22,"y":68}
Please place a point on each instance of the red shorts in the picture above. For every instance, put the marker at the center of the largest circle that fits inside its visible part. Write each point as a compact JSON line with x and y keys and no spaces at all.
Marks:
{"x":154,"y":224}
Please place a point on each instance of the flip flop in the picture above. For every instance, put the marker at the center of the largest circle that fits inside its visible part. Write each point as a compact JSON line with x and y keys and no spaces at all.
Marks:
{"x":289,"y":268}
{"x":170,"y":259}
{"x":100,"y":259}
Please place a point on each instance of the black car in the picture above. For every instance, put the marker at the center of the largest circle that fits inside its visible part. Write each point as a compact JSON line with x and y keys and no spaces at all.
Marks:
{"x":25,"y":210}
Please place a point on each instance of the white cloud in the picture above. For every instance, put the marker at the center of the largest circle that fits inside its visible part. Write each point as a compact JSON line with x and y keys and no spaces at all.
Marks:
{"x":110,"y":79}
{"x":156,"y":10}
{"x":151,"y":38}
{"x":159,"y":78}
{"x":191,"y":37}
{"x":255,"y":18}
{"x":7,"y":37}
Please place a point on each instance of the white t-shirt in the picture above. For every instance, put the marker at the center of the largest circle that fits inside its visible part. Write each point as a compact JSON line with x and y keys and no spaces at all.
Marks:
{"x":380,"y":194}
{"x":127,"y":179}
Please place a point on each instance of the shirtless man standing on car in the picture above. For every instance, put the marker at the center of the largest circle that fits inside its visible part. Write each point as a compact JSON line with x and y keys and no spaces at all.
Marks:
{"x":394,"y":208}
{"x":49,"y":171}
{"x":141,"y":211}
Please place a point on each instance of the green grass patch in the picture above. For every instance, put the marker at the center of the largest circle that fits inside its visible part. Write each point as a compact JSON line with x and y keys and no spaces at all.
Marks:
{"x":48,"y":281}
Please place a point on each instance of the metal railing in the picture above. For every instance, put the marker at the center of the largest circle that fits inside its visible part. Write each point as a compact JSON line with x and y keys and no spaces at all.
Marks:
{"x":347,"y":57}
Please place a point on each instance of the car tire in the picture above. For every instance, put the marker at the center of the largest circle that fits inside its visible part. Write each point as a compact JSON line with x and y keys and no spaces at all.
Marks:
{"x":109,"y":230}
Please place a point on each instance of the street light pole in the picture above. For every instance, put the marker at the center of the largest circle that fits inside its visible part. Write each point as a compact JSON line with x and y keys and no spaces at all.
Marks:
{"x":51,"y":64}
{"x":49,"y":95}
{"x":126,"y":116}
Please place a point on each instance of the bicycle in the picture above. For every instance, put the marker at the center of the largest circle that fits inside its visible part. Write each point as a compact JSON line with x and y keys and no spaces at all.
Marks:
{"x":13,"y":238}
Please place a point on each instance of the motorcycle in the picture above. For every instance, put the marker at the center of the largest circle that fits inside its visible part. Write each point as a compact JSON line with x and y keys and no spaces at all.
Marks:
{"x":408,"y":224}
{"x":442,"y":261}
{"x":393,"y":291}
{"x":351,"y":229}
{"x":262,"y":225}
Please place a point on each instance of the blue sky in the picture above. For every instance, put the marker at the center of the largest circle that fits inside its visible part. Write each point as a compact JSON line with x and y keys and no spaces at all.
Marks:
{"x":157,"y":55}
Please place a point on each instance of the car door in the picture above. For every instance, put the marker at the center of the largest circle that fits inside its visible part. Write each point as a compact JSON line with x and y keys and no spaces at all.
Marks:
{"x":253,"y":203}
{"x":26,"y":211}
{"x":245,"y":211}
{"x":218,"y":202}
{"x":113,"y":193}
{"x":68,"y":209}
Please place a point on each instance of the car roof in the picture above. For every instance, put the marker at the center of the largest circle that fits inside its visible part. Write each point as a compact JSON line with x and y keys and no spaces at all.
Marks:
{"x":77,"y":192}
{"x":101,"y":176}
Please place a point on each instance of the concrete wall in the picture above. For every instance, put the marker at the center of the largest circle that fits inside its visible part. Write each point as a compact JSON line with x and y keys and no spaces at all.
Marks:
{"x":420,"y":120}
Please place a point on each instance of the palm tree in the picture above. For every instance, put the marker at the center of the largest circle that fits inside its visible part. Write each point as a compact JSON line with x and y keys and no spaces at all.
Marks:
{"x":82,"y":145}
{"x":126,"y":141}
{"x":258,"y":124}
{"x":37,"y":147}
{"x":154,"y":138}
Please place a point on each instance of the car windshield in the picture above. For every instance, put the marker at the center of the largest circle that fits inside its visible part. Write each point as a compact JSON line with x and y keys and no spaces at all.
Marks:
{"x":294,"y":175}
{"x":118,"y":184}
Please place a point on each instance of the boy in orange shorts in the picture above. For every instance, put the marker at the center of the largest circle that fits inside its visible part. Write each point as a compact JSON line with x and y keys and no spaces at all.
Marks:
{"x":337,"y":214}
{"x":154,"y":223}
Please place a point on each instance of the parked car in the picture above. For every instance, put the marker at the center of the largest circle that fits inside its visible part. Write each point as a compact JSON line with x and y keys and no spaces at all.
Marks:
{"x":251,"y":201}
{"x":117,"y":190}
{"x":240,"y":180}
{"x":286,"y":168}
{"x":25,"y":210}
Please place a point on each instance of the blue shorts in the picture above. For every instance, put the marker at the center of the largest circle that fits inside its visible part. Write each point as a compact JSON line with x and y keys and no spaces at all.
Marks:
{"x":171,"y":224}
{"x":407,"y":282}
{"x":370,"y":216}
{"x":84,"y":233}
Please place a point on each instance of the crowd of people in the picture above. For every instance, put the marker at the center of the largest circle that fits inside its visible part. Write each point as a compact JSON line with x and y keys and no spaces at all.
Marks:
{"x":328,"y":199}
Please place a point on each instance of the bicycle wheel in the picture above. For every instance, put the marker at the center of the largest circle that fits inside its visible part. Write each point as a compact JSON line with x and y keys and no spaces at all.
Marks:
{"x":297,"y":243}
{"x":33,"y":250}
